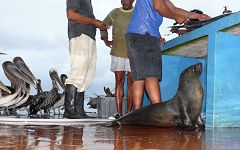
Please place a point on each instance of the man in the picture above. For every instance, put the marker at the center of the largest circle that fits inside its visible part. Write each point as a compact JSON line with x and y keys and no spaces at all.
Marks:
{"x":143,"y":43}
{"x":118,"y":18}
{"x":82,"y":48}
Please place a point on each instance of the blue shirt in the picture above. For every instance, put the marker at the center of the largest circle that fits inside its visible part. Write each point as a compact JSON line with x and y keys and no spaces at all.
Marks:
{"x":145,"y":19}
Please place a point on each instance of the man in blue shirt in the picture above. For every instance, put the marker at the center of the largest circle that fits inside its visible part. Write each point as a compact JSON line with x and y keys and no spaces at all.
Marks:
{"x":143,"y":43}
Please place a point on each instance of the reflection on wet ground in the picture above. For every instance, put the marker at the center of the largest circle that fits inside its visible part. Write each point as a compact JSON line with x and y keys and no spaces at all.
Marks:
{"x":96,"y":137}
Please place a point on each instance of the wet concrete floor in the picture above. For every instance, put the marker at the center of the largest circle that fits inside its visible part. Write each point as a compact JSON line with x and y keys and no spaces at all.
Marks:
{"x":96,"y":137}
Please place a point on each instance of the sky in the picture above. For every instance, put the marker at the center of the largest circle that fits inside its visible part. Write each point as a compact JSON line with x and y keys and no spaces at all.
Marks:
{"x":36,"y":30}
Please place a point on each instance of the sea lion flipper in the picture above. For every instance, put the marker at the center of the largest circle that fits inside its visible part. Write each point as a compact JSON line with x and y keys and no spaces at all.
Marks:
{"x":186,"y":123}
{"x":112,"y":123}
{"x":199,"y":122}
{"x":187,"y":127}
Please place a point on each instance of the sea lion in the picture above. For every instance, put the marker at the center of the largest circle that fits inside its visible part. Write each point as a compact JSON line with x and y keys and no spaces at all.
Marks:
{"x":182,"y":111}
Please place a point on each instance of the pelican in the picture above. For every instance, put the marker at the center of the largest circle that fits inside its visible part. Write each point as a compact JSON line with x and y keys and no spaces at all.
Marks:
{"x":108,"y":92}
{"x":47,"y":99}
{"x":61,"y":97}
{"x":19,"y":62}
{"x":17,"y":79}
{"x":21,"y":78}
{"x":20,"y":85}
{"x":28,"y":101}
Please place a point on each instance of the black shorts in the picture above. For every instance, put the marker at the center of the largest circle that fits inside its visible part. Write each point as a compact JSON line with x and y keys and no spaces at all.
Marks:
{"x":145,"y":56}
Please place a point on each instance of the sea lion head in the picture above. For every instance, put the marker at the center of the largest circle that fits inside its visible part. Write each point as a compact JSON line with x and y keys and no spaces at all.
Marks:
{"x":191,"y":72}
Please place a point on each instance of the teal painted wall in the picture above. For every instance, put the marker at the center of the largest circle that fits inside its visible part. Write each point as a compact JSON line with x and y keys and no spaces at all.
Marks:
{"x":223,"y":73}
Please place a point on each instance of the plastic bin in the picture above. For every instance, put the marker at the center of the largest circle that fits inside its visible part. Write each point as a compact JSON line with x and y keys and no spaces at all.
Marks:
{"x":106,"y":107}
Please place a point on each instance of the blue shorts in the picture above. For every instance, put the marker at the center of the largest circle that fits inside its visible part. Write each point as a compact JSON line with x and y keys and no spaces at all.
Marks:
{"x":145,"y":56}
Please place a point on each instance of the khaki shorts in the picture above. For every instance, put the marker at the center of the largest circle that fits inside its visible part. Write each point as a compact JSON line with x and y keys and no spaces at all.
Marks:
{"x":120,"y":64}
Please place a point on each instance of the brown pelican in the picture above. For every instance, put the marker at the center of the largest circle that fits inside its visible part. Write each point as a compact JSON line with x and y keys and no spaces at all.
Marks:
{"x":19,"y":62}
{"x":27,"y":102}
{"x":20,"y":84}
{"x":60,"y":100}
{"x":21,"y":78}
{"x":18,"y":88}
{"x":17,"y":79}
{"x":47,"y":99}
{"x":108,"y":92}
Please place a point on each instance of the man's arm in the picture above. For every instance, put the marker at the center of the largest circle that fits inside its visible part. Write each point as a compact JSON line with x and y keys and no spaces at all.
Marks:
{"x":162,"y":8}
{"x":109,"y":21}
{"x":76,"y":17}
{"x":104,"y":34}
{"x":187,"y":14}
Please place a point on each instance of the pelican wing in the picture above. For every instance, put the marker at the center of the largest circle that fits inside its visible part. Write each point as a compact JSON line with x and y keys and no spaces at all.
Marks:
{"x":6,"y":99}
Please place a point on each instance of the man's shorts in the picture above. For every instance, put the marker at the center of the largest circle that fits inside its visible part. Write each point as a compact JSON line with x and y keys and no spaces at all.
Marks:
{"x":145,"y":56}
{"x":120,"y":64}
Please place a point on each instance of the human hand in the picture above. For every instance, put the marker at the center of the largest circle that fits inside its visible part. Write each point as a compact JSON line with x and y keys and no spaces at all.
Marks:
{"x":108,"y":43}
{"x":181,"y":19}
{"x":101,"y":25}
{"x":203,"y":17}
{"x":198,"y":16}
